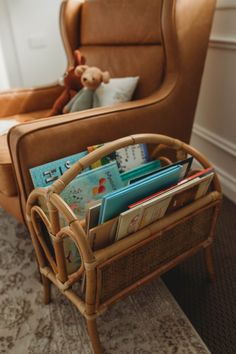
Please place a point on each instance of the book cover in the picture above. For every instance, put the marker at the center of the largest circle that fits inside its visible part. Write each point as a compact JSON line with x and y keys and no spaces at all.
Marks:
{"x":186,"y":165}
{"x":189,"y":192}
{"x":115,"y":203}
{"x":104,"y":160}
{"x":103,"y":235}
{"x":128,"y":222}
{"x":131,"y":156}
{"x":44,"y":175}
{"x":185,"y":180}
{"x":91,"y":185}
{"x":92,"y":214}
{"x":150,"y":210}
{"x":141,"y":171}
{"x":136,"y":218}
{"x":126,"y":158}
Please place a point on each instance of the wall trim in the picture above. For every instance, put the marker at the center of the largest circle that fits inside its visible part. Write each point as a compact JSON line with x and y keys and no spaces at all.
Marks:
{"x":223,"y":43}
{"x":225,"y":5}
{"x":228,"y":183}
{"x":215,"y":139}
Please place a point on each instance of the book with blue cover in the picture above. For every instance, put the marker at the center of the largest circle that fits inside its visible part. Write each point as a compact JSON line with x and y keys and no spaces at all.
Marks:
{"x":44,"y":175}
{"x":141,"y":171}
{"x":116,"y":202}
{"x":91,"y":185}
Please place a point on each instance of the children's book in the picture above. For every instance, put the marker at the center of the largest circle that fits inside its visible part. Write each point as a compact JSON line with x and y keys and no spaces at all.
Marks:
{"x":152,"y":209}
{"x":186,"y":163}
{"x":103,"y":235}
{"x":126,"y":158}
{"x":116,"y":202}
{"x":141,"y":171}
{"x":146,"y":213}
{"x":44,"y":175}
{"x":189,"y":192}
{"x":200,"y":174}
{"x":104,"y":160}
{"x":91,"y":185}
{"x":92,"y":214}
{"x":131,"y":156}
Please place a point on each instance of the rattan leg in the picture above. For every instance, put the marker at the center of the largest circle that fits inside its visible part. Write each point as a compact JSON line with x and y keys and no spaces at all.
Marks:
{"x":209,"y":263}
{"x":46,"y":290}
{"x":94,"y":336}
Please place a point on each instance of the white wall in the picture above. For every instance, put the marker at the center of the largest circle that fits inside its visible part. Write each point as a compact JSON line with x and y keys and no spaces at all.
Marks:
{"x":214,"y":131}
{"x":31,"y":34}
{"x":4,"y":81}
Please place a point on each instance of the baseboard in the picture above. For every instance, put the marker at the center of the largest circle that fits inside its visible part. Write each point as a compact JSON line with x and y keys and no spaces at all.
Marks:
{"x":215,"y":139}
{"x":228,"y":184}
{"x":222,"y":153}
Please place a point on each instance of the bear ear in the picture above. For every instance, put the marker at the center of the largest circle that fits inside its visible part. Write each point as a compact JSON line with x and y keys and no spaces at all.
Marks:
{"x":105,"y":77}
{"x":80,"y":69}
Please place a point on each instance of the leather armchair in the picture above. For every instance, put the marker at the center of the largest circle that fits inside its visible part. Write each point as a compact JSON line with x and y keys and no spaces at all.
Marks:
{"x":163,"y":42}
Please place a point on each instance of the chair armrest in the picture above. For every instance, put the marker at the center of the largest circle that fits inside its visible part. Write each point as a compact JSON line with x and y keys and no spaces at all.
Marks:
{"x":20,"y":101}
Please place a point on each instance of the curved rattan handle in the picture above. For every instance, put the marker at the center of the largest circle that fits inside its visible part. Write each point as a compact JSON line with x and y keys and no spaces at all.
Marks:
{"x":59,"y":185}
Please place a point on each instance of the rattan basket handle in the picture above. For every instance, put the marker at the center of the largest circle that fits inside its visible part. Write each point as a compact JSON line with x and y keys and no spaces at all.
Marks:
{"x":59,"y":185}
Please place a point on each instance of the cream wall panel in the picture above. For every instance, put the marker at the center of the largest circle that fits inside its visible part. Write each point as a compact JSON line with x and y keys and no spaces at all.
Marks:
{"x":214,"y":131}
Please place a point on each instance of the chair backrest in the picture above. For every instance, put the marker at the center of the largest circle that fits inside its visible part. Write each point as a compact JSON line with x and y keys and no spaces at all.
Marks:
{"x":145,"y":38}
{"x":126,"y":37}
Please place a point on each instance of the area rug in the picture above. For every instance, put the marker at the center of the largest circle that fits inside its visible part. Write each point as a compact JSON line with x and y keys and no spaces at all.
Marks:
{"x":150,"y":321}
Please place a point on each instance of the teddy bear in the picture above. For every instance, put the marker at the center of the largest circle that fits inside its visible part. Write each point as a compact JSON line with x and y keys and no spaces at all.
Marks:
{"x":91,"y":77}
{"x":72,"y":84}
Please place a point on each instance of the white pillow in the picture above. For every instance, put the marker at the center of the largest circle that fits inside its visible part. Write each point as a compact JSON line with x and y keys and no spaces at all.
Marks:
{"x":116,"y":91}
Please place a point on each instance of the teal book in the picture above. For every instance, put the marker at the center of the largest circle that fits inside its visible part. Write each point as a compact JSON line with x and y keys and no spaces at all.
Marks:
{"x":44,"y":175}
{"x":116,"y":202}
{"x":91,"y":185}
{"x":141,"y":171}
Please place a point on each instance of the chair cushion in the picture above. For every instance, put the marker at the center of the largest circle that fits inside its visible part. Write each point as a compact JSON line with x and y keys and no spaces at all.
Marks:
{"x":7,"y":179}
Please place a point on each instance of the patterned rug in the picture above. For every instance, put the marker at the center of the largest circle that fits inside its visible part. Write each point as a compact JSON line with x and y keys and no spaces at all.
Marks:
{"x":150,"y":321}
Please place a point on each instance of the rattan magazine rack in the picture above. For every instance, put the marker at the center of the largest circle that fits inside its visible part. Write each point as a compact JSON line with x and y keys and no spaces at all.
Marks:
{"x":120,"y":268}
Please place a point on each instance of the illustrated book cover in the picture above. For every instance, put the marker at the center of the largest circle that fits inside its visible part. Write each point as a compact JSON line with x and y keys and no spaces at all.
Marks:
{"x":44,"y":175}
{"x":91,"y":185}
{"x":153,"y":208}
{"x":116,"y":202}
{"x":126,"y":158}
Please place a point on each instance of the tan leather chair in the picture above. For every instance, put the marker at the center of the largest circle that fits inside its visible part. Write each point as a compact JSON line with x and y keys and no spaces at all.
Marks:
{"x":162,"y":41}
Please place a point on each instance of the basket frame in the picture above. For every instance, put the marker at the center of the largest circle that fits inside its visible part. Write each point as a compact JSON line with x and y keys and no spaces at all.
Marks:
{"x":54,"y":270}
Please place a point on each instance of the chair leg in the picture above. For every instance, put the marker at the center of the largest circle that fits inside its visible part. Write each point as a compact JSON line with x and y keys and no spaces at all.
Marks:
{"x":94,"y":336}
{"x":209,"y":263}
{"x":46,"y":290}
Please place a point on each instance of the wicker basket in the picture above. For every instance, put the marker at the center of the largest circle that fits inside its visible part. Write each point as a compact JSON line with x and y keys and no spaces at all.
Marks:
{"x":118,"y":269}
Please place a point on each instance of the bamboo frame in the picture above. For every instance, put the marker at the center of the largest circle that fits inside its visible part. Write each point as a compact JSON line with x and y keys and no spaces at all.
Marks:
{"x":53,"y":268}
